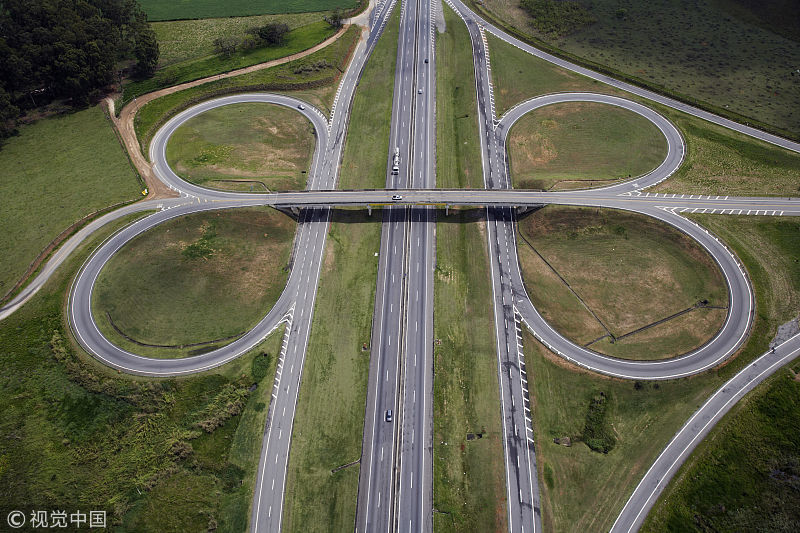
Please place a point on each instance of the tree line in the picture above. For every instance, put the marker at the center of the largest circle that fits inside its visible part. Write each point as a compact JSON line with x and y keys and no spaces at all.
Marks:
{"x":67,"y":49}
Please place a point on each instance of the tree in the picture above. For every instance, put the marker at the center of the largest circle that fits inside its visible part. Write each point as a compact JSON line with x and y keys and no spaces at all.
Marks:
{"x":226,"y":45}
{"x":336,"y":18}
{"x":8,"y":116}
{"x":273,"y":33}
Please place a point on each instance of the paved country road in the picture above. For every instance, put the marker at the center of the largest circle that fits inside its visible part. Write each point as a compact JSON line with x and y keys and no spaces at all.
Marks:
{"x":396,"y":489}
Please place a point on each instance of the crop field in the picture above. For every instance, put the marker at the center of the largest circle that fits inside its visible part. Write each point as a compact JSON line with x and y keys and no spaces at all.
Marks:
{"x":183,"y":40}
{"x":311,"y":78}
{"x":200,"y":9}
{"x":55,"y":172}
{"x":256,"y":147}
{"x":729,"y":53}
{"x":624,"y":271}
{"x":573,"y":145}
{"x":200,"y":278}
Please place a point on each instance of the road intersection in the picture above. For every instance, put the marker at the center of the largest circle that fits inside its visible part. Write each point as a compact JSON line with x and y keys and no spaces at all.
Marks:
{"x":395,"y":489}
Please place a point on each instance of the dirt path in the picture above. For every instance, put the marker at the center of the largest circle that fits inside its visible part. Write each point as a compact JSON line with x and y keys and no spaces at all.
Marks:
{"x":124,"y":124}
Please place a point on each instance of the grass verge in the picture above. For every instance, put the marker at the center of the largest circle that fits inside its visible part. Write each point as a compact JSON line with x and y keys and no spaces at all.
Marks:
{"x":629,"y":270}
{"x":312,"y":78}
{"x":578,"y":144}
{"x":257,"y":146}
{"x":585,"y":490}
{"x":718,"y":160}
{"x":297,"y":40}
{"x":195,"y":279}
{"x":56,"y":171}
{"x":82,"y":436}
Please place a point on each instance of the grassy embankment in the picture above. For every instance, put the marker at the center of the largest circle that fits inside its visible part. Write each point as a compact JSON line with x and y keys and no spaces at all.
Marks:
{"x":743,"y":475}
{"x":183,"y":40}
{"x":718,"y":160}
{"x":570,"y":145}
{"x":468,"y":476}
{"x":197,"y":9}
{"x":693,"y":56}
{"x":330,"y":411}
{"x":297,"y":40}
{"x":57,"y":171}
{"x":312,"y":78}
{"x":584,"y":490}
{"x":195,"y":279}
{"x":629,"y":270}
{"x":159,"y":455}
{"x":244,"y":147}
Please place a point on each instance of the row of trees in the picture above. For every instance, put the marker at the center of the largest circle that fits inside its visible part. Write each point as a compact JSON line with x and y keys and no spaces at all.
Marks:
{"x":68,"y":49}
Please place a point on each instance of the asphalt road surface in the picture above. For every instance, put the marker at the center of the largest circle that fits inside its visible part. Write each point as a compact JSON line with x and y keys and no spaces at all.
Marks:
{"x":396,"y":461}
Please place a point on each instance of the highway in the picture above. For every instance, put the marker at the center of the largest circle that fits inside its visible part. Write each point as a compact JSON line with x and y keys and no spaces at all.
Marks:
{"x":395,"y":488}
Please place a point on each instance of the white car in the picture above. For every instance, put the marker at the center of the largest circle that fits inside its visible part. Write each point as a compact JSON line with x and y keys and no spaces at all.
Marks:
{"x":301,"y":107}
{"x":396,"y":197}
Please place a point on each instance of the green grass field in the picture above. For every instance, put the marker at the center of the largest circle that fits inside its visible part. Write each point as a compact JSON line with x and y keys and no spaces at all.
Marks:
{"x":457,"y":145}
{"x":256,"y":147}
{"x":367,"y":147}
{"x":83,"y":436}
{"x":718,"y":160}
{"x":198,"y":9}
{"x":55,"y":172}
{"x":312,"y":78}
{"x":183,"y":40}
{"x":629,"y":270}
{"x":697,"y":51}
{"x":297,"y":40}
{"x":582,"y":144}
{"x":198,"y":278}
{"x":330,"y":411}
{"x":585,"y":490}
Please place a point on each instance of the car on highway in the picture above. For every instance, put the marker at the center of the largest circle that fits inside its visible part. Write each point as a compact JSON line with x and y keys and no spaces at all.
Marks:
{"x":301,"y":107}
{"x":419,"y":91}
{"x":388,"y":415}
{"x":396,"y":197}
{"x":426,"y":59}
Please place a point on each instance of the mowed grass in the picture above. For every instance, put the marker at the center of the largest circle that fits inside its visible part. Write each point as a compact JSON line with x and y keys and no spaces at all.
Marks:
{"x":198,"y":9}
{"x":260,"y":146}
{"x":718,"y":160}
{"x":193,"y":279}
{"x":582,"y":144}
{"x":697,"y":51}
{"x":55,"y":172}
{"x":630,"y":271}
{"x":87,"y":437}
{"x":457,"y":145}
{"x":182,"y":40}
{"x":469,"y":484}
{"x":312,"y":78}
{"x":297,"y":40}
{"x":367,"y":149}
{"x":585,"y":490}
{"x":330,"y":410}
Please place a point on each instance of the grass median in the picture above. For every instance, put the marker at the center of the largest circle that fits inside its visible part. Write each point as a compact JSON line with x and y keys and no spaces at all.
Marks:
{"x":718,"y":160}
{"x":602,"y":274}
{"x":330,"y":410}
{"x":247,"y":147}
{"x":156,"y":454}
{"x":194,"y":283}
{"x":57,"y":171}
{"x":585,"y":489}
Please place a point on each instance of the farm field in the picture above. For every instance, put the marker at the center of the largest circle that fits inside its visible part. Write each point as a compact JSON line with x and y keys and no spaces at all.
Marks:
{"x":57,"y":171}
{"x":698,"y":51}
{"x":249,"y":147}
{"x":199,"y":9}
